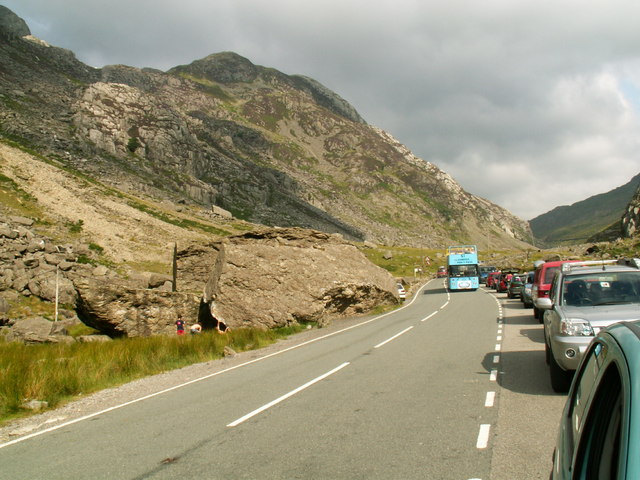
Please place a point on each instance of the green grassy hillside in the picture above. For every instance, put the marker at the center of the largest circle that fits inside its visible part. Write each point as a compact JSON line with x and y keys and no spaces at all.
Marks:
{"x":578,"y":222}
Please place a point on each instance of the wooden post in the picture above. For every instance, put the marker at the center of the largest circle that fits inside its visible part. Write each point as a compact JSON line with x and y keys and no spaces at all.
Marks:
{"x":175,"y":267}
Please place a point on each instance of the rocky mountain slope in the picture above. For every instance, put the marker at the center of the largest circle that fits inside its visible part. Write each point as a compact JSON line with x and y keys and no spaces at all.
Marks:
{"x":596,"y":218}
{"x":273,"y":149}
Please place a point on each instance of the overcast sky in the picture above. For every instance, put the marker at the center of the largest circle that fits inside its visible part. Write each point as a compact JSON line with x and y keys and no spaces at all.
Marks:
{"x":530,"y":104}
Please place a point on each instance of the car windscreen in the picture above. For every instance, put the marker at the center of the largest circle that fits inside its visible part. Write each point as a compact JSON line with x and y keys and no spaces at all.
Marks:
{"x":602,"y":288}
{"x":463,"y":270}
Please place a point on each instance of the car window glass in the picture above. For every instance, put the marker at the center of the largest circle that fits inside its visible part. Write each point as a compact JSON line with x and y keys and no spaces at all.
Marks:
{"x":554,"y":287}
{"x":599,"y":444}
{"x":585,"y":381}
{"x":548,"y":274}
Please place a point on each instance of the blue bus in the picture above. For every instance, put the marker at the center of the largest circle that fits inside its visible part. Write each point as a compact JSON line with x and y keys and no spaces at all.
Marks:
{"x":462,"y":268}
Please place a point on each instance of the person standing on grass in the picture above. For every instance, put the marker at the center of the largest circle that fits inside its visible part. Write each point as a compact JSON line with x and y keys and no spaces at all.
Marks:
{"x":180,"y":326}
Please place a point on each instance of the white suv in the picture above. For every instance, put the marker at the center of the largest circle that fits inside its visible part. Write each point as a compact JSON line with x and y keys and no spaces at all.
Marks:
{"x":584,"y":298}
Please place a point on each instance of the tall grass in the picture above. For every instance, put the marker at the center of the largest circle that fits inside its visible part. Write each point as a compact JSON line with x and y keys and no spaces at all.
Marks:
{"x":58,"y":373}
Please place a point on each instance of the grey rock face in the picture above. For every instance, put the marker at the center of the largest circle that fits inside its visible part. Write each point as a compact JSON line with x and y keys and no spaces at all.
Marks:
{"x":282,"y":276}
{"x":631,"y":218}
{"x":12,"y":25}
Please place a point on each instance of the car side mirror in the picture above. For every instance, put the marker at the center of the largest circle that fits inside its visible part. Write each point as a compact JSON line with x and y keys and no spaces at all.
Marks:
{"x":545,"y":303}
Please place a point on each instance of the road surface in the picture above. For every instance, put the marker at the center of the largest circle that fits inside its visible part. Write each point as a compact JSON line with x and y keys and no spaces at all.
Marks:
{"x":451,"y":386}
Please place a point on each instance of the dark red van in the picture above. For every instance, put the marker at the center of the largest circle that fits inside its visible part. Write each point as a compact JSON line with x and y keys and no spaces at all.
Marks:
{"x":542,"y":283}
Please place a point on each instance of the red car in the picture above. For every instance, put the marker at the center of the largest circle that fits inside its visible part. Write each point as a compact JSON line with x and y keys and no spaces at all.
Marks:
{"x":542,"y":283}
{"x":491,"y":279}
{"x":442,"y":272}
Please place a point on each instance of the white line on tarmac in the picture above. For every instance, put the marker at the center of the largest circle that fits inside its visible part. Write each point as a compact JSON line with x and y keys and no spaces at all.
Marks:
{"x":490,"y":400}
{"x":394,"y":337}
{"x":483,"y":436}
{"x":427,"y":318}
{"x":285,"y":396}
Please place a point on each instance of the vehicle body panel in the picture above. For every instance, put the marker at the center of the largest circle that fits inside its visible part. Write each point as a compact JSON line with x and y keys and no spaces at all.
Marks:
{"x":613,"y":353}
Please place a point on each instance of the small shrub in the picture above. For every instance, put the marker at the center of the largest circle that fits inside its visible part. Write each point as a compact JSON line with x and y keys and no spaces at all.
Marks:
{"x":75,"y":227}
{"x":133,"y":144}
{"x":96,"y":248}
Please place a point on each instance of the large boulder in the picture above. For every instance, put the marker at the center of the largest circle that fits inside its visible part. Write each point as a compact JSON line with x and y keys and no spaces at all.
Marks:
{"x":117,"y":309}
{"x":282,"y":276}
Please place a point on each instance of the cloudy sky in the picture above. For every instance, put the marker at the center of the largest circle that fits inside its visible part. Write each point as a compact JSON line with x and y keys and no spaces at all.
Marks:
{"x":530,"y":104}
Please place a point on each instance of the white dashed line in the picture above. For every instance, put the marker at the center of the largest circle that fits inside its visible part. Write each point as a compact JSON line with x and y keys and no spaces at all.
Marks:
{"x":490,"y":400}
{"x":285,"y":396}
{"x":483,"y":436}
{"x":427,"y":318}
{"x":394,"y":337}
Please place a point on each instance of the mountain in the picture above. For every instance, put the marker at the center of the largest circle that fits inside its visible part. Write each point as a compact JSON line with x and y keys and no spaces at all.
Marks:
{"x":586,"y":220}
{"x":270,"y":148}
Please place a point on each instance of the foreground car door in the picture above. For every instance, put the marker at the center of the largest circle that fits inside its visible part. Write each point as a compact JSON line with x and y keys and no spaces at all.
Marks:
{"x":594,"y":430}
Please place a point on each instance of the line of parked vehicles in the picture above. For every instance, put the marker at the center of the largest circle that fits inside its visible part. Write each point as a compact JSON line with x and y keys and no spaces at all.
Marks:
{"x":590,"y":311}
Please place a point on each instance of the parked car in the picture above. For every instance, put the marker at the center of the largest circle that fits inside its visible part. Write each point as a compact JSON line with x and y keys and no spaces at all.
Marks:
{"x":542,"y":283}
{"x":526,"y":291}
{"x":485,"y":270}
{"x":515,"y":286}
{"x":492,"y":279}
{"x":442,"y":272}
{"x":599,"y":435}
{"x":584,"y":298}
{"x":502,"y":283}
{"x":402,"y":293}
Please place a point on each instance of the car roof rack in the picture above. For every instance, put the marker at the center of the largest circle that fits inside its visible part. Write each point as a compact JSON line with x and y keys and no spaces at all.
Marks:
{"x":567,"y":267}
{"x":628,"y":262}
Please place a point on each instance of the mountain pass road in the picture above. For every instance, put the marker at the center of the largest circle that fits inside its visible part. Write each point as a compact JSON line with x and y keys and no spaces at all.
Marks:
{"x":450,"y":386}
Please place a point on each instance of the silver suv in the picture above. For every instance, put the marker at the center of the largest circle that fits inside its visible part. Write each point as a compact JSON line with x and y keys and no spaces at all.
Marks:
{"x":584,"y":298}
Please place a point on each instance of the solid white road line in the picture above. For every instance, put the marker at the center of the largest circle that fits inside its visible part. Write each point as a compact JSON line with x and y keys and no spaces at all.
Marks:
{"x":285,"y":396}
{"x":394,"y":337}
{"x":483,"y":436}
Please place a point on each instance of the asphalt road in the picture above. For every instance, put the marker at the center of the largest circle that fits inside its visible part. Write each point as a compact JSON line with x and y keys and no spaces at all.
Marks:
{"x":451,"y":386}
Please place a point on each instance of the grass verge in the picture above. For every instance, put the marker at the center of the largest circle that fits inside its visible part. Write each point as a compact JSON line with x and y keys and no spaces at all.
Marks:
{"x":59,"y":373}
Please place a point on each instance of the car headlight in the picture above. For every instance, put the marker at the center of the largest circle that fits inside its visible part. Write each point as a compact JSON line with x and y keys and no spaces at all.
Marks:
{"x":576,"y":327}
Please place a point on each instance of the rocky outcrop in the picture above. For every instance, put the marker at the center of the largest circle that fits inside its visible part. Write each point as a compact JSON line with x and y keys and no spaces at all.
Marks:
{"x":34,"y":265}
{"x":631,"y":218}
{"x":11,"y":25}
{"x":263,"y":279}
{"x":118,"y":310}
{"x":270,"y":148}
{"x":279,"y":277}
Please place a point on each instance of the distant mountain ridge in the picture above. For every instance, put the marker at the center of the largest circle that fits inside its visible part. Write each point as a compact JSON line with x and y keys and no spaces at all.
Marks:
{"x":273,"y":149}
{"x":595,"y":218}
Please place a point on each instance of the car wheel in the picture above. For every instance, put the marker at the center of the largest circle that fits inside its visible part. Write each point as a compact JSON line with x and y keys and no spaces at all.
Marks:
{"x":537,"y":313}
{"x":560,"y":379}
{"x":547,"y":351}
